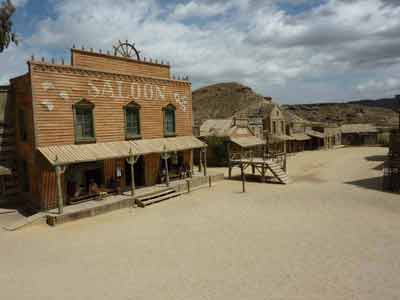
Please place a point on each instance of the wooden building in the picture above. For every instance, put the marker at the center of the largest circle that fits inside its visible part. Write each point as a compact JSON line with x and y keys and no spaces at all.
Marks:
{"x":219,"y":135}
{"x":296,"y":129}
{"x":77,"y":124}
{"x":359,"y":134}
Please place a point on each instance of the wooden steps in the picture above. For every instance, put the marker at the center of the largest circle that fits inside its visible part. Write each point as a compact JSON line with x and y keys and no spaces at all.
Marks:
{"x":155,"y":197}
{"x":278,"y":172}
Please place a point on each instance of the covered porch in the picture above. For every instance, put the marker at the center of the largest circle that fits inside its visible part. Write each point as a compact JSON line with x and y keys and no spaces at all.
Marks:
{"x":83,"y":173}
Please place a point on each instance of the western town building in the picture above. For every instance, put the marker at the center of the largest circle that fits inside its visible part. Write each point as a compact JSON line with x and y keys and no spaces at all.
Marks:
{"x":359,"y":134}
{"x":77,"y":125}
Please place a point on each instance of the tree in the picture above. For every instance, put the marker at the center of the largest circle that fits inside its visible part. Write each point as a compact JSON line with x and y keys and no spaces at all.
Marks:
{"x":6,"y":35}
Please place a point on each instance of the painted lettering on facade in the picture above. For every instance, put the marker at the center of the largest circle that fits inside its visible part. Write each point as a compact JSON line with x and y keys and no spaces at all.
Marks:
{"x":131,"y":90}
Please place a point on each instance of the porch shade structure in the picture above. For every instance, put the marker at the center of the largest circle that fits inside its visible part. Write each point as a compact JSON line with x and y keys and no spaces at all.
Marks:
{"x":247,"y":142}
{"x":4,"y":171}
{"x":315,"y":134}
{"x":300,"y":137}
{"x":72,"y":154}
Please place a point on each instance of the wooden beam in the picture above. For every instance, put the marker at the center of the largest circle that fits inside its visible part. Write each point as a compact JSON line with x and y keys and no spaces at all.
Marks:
{"x":243,"y":178}
{"x":205,"y":161}
{"x":59,"y":191}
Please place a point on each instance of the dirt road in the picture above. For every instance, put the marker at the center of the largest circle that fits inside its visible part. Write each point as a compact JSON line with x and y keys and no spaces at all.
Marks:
{"x":331,"y":234}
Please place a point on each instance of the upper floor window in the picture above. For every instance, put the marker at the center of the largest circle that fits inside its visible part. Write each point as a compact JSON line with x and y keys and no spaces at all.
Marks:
{"x":169,"y":120}
{"x":132,"y":120}
{"x":23,"y":135}
{"x":84,"y":125}
{"x":274,"y":127}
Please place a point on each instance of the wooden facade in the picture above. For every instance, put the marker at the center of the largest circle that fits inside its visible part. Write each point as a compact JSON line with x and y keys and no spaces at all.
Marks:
{"x":45,"y":99}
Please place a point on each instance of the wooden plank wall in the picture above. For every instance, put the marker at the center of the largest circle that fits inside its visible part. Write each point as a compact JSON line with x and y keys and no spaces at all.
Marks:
{"x":109,"y":93}
{"x":152,"y":168}
{"x":109,"y":63}
{"x":48,"y":186}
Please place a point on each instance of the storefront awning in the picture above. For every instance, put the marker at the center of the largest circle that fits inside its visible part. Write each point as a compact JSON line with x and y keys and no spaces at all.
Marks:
{"x":247,"y":142}
{"x":71,"y":154}
{"x":315,"y":134}
{"x":300,"y":137}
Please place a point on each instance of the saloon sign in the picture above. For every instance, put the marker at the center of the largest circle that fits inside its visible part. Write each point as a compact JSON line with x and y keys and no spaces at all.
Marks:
{"x":132,"y":90}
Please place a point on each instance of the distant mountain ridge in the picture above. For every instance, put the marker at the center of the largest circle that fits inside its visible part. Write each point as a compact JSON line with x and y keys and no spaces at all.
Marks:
{"x":224,"y":100}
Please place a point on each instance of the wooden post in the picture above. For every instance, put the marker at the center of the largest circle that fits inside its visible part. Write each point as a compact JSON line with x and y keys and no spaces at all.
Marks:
{"x":188,"y":185}
{"x":263,"y":173}
{"x":243,"y":178}
{"x":209,"y":181}
{"x":229,"y":161}
{"x":59,"y":191}
{"x":205,"y":161}
{"x":191,"y":163}
{"x":131,"y":160}
{"x":200,"y":160}
{"x":253,"y":169}
{"x":166,"y":172}
{"x":133,"y":179}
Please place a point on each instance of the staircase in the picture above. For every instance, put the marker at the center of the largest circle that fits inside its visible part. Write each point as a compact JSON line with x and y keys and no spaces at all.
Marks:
{"x":155,"y":197}
{"x":278,"y":172}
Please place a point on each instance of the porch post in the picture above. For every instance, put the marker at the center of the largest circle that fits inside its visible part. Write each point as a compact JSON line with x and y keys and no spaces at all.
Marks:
{"x":131,"y":160}
{"x":133,"y":179}
{"x":166,"y":171}
{"x":59,"y":190}
{"x":191,"y":163}
{"x":200,"y":159}
{"x":205,"y":160}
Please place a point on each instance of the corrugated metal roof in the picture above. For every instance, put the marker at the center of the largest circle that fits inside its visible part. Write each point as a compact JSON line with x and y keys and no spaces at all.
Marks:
{"x":247,"y":142}
{"x":216,"y":127}
{"x":358,"y":128}
{"x":70,"y":154}
{"x":300,"y":136}
{"x":316,"y":134}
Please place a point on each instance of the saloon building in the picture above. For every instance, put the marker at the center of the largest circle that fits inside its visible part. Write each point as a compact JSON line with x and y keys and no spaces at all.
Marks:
{"x":77,"y":124}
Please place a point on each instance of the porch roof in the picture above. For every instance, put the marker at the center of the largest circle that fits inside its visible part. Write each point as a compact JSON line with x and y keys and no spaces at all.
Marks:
{"x":4,"y":171}
{"x":247,"y":142}
{"x":300,"y":136}
{"x":70,"y":154}
{"x":315,"y":134}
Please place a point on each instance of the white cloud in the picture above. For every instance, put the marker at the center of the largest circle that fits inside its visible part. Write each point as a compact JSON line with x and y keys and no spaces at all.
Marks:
{"x":292,"y":57}
{"x":199,"y":9}
{"x":387,"y":86}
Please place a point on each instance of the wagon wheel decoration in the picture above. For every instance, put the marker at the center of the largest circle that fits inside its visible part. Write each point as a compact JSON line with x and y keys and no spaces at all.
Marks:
{"x":126,"y":49}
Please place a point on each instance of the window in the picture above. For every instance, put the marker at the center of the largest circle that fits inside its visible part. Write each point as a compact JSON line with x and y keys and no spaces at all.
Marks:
{"x":132,"y":120}
{"x":84,"y":129}
{"x":169,"y":120}
{"x":274,"y":127}
{"x":22,"y":125}
{"x":282,"y":128}
{"x":24,"y":177}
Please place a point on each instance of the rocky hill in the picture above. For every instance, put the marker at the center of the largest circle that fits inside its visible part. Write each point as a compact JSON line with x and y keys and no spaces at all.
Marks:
{"x":224,"y":100}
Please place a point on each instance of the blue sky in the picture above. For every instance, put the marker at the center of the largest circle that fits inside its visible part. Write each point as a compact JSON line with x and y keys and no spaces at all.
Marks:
{"x":293,"y":50}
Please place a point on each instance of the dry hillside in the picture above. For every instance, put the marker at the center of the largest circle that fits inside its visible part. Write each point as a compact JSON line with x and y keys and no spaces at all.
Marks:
{"x":225,"y":100}
{"x":222,"y":100}
{"x":344,"y":113}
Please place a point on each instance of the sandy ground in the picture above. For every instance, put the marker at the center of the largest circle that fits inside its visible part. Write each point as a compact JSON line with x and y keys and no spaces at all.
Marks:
{"x":332,"y":234}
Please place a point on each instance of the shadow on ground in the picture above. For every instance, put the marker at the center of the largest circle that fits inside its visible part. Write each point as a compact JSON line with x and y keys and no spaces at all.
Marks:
{"x":374,"y":183}
{"x":255,"y":178}
{"x":13,"y":204}
{"x":376,"y":158}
